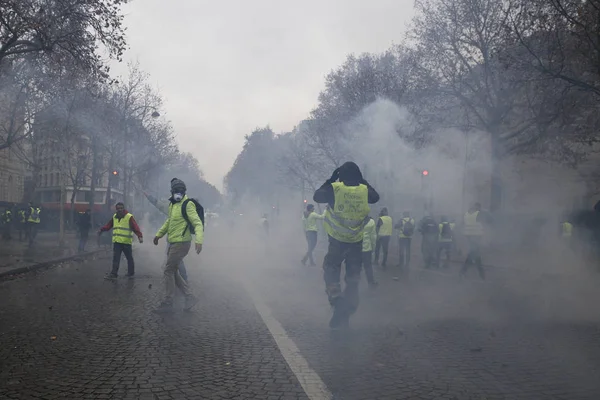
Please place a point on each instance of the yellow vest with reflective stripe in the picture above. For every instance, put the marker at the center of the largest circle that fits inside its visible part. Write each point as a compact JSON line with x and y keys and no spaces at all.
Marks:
{"x":566,"y":229}
{"x":346,"y":221}
{"x":34,"y":215}
{"x":122,"y":232}
{"x":472,"y":227}
{"x":369,"y":236}
{"x":386,"y":228}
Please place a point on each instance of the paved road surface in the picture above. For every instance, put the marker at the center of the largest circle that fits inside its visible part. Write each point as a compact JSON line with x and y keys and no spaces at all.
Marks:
{"x":260,"y":332}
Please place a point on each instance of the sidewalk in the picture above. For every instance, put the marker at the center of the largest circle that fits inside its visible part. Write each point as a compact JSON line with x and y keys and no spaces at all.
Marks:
{"x":16,"y":255}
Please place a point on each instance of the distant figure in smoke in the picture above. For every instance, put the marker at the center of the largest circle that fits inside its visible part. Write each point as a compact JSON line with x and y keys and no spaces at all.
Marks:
{"x":369,"y":242}
{"x":406,"y":230}
{"x":84,"y":224}
{"x":384,"y":230}
{"x":430,"y":231}
{"x":309,"y":220}
{"x":445,"y":241}
{"x":473,"y":232}
{"x":346,"y":216}
{"x":33,"y":222}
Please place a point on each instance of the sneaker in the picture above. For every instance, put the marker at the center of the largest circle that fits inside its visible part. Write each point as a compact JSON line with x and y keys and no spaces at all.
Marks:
{"x":110,"y":277}
{"x":164,"y":307}
{"x":190,"y":302}
{"x":130,"y":276}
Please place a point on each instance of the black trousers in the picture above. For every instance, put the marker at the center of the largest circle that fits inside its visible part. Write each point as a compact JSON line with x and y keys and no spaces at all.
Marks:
{"x":383,"y":242}
{"x":32,"y":230}
{"x":429,"y":249}
{"x":351,"y":254}
{"x":404,"y":251}
{"x":367,"y":263}
{"x":311,"y":240}
{"x":118,"y":249}
{"x":444,"y":247}
{"x":474,"y":256}
{"x":83,"y":238}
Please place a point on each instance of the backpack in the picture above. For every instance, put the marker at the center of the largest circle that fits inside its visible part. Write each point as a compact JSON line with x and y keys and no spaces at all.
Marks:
{"x":200,"y":211}
{"x":446,"y":232}
{"x":408,"y":228}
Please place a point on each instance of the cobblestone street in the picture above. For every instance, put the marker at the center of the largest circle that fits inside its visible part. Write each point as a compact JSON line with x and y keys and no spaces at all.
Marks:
{"x":67,"y":333}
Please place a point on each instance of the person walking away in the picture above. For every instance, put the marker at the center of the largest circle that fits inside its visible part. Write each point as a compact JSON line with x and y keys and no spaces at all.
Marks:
{"x":184,"y":219}
{"x":566,"y":233}
{"x":84,"y":224}
{"x":473,"y":232}
{"x":6,"y":224}
{"x":124,"y":226}
{"x":309,"y":220}
{"x":263,"y":224}
{"x":22,"y":224}
{"x":163,"y":207}
{"x":384,"y":232}
{"x":369,"y":241}
{"x":406,"y":230}
{"x":445,"y":241}
{"x":429,"y":240}
{"x":33,"y":222}
{"x":345,"y":219}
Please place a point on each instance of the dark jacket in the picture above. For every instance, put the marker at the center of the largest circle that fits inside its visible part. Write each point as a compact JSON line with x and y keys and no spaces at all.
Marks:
{"x":350,"y":175}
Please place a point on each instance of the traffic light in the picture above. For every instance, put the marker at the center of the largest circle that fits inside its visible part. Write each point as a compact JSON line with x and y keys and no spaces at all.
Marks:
{"x":305,"y":201}
{"x":425,"y":172}
{"x":115,"y":172}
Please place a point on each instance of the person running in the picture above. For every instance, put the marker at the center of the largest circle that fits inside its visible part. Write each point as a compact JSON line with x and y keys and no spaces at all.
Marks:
{"x":182,"y":221}
{"x":123,"y":226}
{"x":345,"y":219}
{"x":310,"y":219}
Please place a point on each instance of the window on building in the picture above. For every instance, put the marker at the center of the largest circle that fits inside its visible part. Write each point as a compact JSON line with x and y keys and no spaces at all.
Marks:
{"x":10,"y":179}
{"x":80,"y":197}
{"x":51,"y":179}
{"x":57,"y":178}
{"x":99,"y":197}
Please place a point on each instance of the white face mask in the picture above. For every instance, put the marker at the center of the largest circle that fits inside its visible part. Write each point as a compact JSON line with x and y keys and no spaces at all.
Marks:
{"x":177,"y":196}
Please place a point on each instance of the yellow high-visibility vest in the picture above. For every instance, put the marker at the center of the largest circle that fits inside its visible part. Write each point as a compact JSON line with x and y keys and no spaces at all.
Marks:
{"x":566,"y":229}
{"x":34,"y":215}
{"x":386,"y":228}
{"x":346,"y":221}
{"x":472,"y":227}
{"x":369,"y":236}
{"x":122,"y":232}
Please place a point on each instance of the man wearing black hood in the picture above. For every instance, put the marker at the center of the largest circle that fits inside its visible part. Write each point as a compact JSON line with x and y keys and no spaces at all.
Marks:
{"x":345,"y":219}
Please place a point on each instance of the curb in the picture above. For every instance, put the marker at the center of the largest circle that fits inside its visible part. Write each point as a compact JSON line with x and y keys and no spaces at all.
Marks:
{"x":46,"y":264}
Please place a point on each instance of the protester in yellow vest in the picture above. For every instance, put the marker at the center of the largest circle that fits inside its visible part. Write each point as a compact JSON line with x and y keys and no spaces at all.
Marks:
{"x":384,"y":233}
{"x":369,"y":242}
{"x":345,"y":219}
{"x":6,"y":221}
{"x":309,"y":219}
{"x":184,"y":220}
{"x":566,"y":233}
{"x":123,"y":226}
{"x":473,"y":231}
{"x":445,"y":240}
{"x":33,"y":222}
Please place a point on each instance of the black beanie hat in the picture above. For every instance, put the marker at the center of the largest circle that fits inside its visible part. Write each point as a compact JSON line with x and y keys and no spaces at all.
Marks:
{"x":177,"y":185}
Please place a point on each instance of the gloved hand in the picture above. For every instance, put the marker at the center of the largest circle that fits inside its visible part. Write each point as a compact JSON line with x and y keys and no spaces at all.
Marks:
{"x":334,"y":176}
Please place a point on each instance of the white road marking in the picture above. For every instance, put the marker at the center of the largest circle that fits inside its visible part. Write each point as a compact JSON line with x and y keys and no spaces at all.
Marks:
{"x":312,"y":384}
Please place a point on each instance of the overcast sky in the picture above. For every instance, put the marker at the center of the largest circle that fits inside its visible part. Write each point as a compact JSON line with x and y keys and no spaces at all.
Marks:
{"x":227,"y":67}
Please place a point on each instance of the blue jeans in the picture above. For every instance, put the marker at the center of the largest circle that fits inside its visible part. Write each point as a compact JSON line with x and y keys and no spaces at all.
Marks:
{"x":182,"y":270}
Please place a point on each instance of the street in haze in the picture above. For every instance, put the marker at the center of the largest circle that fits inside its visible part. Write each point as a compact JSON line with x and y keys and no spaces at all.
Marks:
{"x":260,"y":332}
